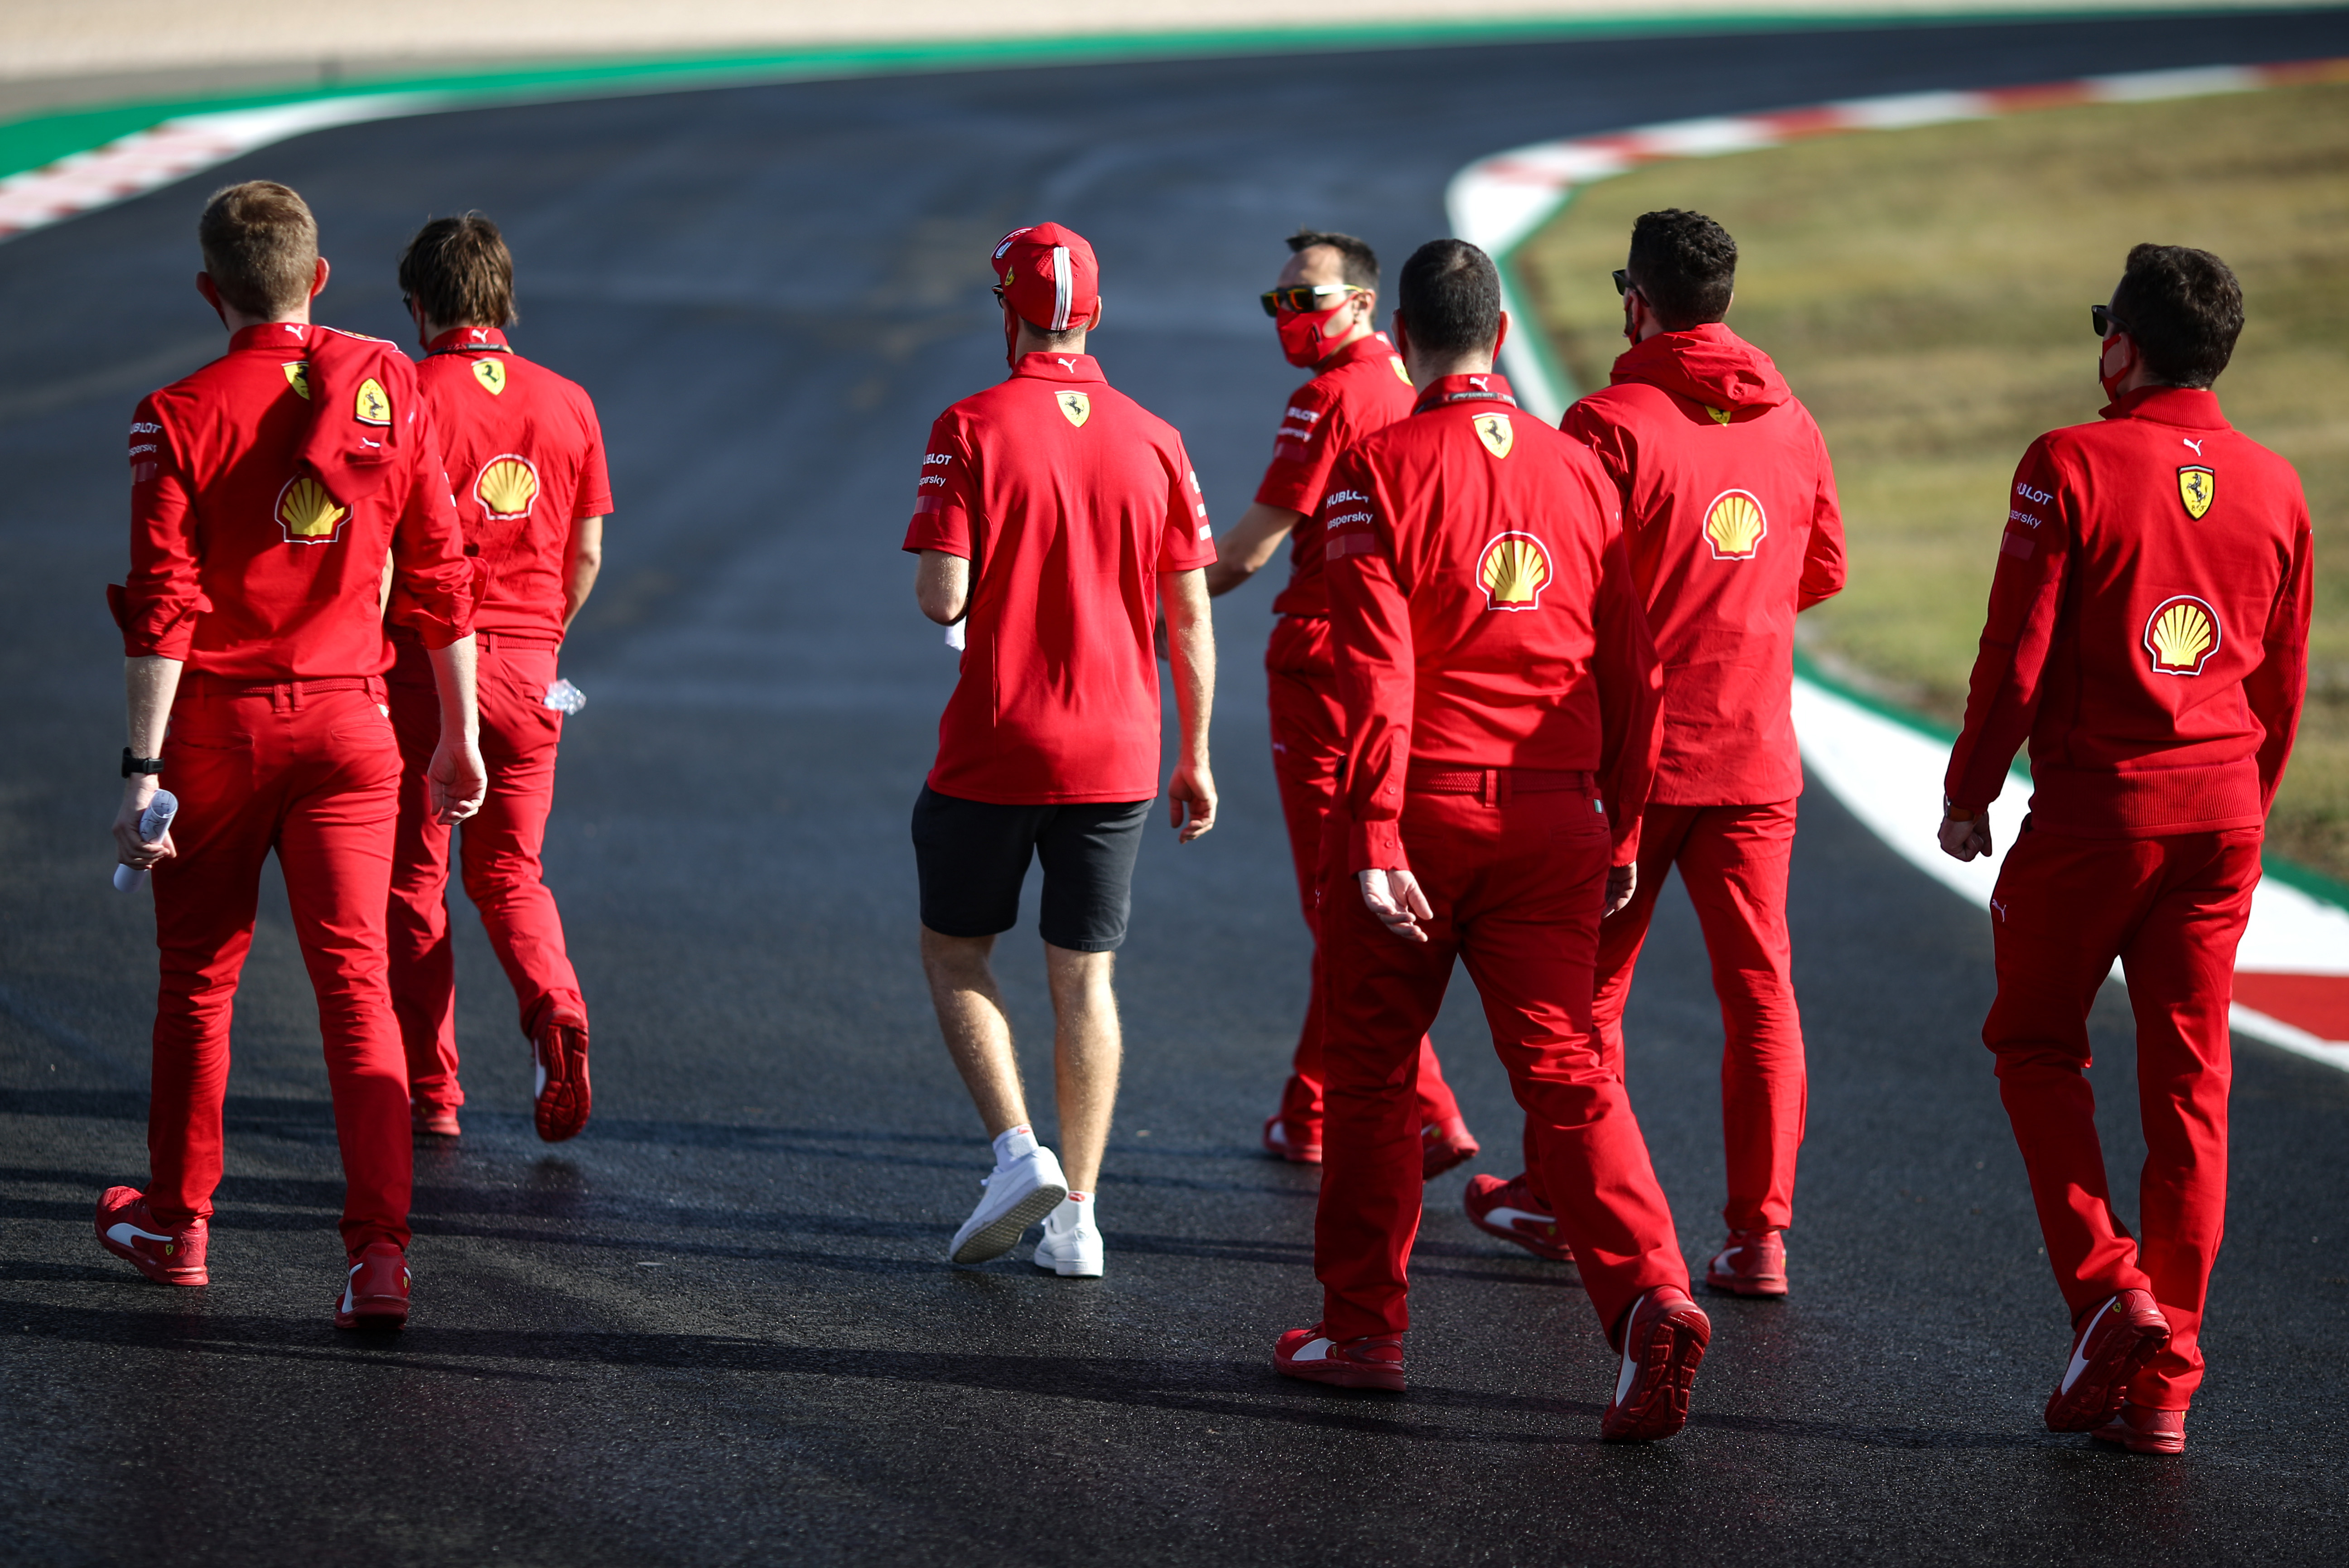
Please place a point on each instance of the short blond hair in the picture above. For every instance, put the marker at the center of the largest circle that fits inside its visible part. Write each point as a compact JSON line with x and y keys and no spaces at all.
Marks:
{"x":260,"y":245}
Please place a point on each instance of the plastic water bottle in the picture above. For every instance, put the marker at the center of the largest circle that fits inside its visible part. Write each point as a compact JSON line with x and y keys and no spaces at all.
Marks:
{"x":955,"y":636}
{"x":564,"y":698}
{"x":152,"y":824}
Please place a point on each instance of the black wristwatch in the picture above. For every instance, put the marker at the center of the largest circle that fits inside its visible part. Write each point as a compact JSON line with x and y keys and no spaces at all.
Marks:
{"x":133,"y":767}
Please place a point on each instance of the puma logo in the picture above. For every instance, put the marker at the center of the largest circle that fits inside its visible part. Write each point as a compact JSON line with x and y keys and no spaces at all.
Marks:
{"x":2197,"y":445}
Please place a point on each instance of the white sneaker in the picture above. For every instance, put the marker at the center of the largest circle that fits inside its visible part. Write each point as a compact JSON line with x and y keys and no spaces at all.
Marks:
{"x":1017,"y":1195}
{"x":1071,"y":1243}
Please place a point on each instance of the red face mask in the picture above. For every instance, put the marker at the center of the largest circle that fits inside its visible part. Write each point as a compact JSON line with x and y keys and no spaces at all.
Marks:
{"x":2112,"y":383}
{"x":1307,"y":337}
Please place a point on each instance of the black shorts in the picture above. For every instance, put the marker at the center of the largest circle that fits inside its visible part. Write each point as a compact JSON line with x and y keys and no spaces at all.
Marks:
{"x":973,"y":856}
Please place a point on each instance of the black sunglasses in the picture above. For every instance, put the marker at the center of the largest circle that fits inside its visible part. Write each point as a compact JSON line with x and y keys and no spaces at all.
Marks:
{"x":2107,"y":323}
{"x":1304,"y":296}
{"x":1622,"y":281}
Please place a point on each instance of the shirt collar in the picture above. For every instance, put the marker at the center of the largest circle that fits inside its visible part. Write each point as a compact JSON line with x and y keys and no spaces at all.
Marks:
{"x":272,"y":337}
{"x":1045,"y":366}
{"x":2196,"y":408}
{"x":470,"y":339}
{"x":1485,"y":386}
{"x":1367,"y":345}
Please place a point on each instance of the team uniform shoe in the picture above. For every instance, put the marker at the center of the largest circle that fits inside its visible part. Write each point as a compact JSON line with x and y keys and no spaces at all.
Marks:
{"x":1019,"y":1193}
{"x":2144,"y":1431}
{"x":433,"y":1121}
{"x":375,"y":1295}
{"x":1663,"y":1340}
{"x":1375,"y":1361}
{"x":1293,"y":1141}
{"x":1750,"y":1264}
{"x":166,"y":1254}
{"x":560,"y":1049}
{"x":1444,"y":1143}
{"x":1071,"y":1243}
{"x":1507,"y":1210}
{"x":2116,"y":1339}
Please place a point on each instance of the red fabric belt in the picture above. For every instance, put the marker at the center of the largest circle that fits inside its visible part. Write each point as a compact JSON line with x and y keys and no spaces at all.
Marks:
{"x":1493,"y":785}
{"x":284,"y":696}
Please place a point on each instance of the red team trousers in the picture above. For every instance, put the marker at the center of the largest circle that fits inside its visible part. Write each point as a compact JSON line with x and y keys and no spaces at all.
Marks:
{"x":499,"y":853}
{"x":1733,"y":860}
{"x":2172,"y":910}
{"x":1309,"y":751}
{"x":1516,"y":886}
{"x":310,"y":770}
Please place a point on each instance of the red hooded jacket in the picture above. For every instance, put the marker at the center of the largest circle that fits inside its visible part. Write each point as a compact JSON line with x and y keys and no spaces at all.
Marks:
{"x":1730,"y":514}
{"x":2148,"y":628}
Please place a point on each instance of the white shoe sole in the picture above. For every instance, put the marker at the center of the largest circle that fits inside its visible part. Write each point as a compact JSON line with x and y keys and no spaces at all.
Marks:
{"x":1076,"y":1268}
{"x":981,"y":1240}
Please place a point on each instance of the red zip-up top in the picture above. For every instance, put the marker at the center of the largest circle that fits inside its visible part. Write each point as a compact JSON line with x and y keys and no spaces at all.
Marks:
{"x":2148,"y":628}
{"x":525,"y":460}
{"x":1483,"y":613}
{"x":1731,"y":518}
{"x":1364,"y":388}
{"x":1068,"y":498}
{"x":266,"y":490}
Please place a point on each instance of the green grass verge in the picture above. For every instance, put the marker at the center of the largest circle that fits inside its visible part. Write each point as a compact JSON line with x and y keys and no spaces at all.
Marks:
{"x":1927,"y":292}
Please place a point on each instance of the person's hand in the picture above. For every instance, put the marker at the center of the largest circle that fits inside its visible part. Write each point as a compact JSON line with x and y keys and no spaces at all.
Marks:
{"x":1394,"y":896}
{"x":1967,"y":836}
{"x":1192,"y":786}
{"x":459,"y":781}
{"x":128,"y":847}
{"x":1622,"y":881}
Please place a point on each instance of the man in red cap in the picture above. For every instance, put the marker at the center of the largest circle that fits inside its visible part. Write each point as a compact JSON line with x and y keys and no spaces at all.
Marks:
{"x":524,"y":456}
{"x":1323,"y":306}
{"x":1730,"y":519}
{"x":1502,"y":725}
{"x":1057,"y":519}
{"x":270,"y":491}
{"x":2148,"y":635}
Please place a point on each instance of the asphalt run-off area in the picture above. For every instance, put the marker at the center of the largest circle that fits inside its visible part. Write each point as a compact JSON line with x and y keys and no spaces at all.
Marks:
{"x":718,"y":1328}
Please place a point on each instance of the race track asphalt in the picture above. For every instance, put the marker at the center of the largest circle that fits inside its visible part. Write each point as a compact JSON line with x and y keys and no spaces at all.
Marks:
{"x":715,"y":1328}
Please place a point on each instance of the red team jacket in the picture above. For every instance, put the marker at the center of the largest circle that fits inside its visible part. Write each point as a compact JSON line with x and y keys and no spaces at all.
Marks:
{"x":1366,"y":389}
{"x":1068,"y":498}
{"x":525,"y":461}
{"x":2148,"y":626}
{"x":1731,"y":518}
{"x":1484,"y":612}
{"x":266,"y":490}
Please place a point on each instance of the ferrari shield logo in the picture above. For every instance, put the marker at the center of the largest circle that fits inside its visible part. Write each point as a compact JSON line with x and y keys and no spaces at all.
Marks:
{"x":1076,"y":406}
{"x":2198,"y":487}
{"x":491,"y":375}
{"x":1515,"y":567}
{"x":1401,"y":374}
{"x":297,"y":376}
{"x":1494,"y":431}
{"x":373,"y":405}
{"x":2181,"y":634}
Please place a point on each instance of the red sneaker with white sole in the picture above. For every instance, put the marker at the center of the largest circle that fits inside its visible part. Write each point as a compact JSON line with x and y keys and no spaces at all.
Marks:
{"x":560,"y":1049}
{"x":1444,"y":1143}
{"x":1750,"y":1264}
{"x":169,"y":1255}
{"x":375,"y":1293}
{"x":434,"y":1121}
{"x":1664,"y":1337}
{"x":2145,"y":1431}
{"x":1375,"y":1361}
{"x":1508,"y":1210}
{"x":1292,"y":1141}
{"x":2113,"y":1341}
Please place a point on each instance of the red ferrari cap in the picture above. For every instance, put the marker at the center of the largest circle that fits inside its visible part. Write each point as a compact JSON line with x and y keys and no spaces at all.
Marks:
{"x":1049,"y":274}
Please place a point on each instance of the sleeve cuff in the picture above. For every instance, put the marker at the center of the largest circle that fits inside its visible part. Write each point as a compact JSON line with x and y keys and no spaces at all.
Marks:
{"x":1376,"y":847}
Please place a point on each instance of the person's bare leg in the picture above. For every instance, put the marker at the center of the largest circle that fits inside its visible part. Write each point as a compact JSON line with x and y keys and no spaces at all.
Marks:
{"x":977,"y":1029}
{"x":1087,"y":1048}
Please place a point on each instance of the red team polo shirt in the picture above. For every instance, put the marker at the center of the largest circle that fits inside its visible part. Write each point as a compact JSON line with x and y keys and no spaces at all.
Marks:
{"x":1730,"y":519}
{"x":1068,"y":498}
{"x":1366,"y":389}
{"x":1489,"y":618}
{"x":525,"y":457}
{"x":2148,"y":628}
{"x":266,"y":490}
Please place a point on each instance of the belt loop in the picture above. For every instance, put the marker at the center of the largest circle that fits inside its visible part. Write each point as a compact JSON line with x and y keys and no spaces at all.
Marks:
{"x":1488,"y":788}
{"x":294,"y":687}
{"x":277,"y":698}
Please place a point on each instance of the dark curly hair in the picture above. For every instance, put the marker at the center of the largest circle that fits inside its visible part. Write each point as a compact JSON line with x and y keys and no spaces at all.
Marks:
{"x":1684,"y":265}
{"x":2184,"y":309}
{"x":1450,"y":298}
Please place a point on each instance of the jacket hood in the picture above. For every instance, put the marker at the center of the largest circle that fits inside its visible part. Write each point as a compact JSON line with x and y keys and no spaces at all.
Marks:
{"x":1709,"y":364}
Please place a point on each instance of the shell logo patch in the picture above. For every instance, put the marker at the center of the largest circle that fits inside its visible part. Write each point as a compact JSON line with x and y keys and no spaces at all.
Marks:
{"x":297,"y":376}
{"x":2181,"y":634}
{"x":507,"y":487}
{"x":1494,"y":431}
{"x":1735,"y":525}
{"x":373,"y":404}
{"x":2198,"y":487}
{"x":307,"y":514}
{"x":1075,"y":407}
{"x":1401,"y":374}
{"x":1514,"y":569}
{"x":491,"y":375}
